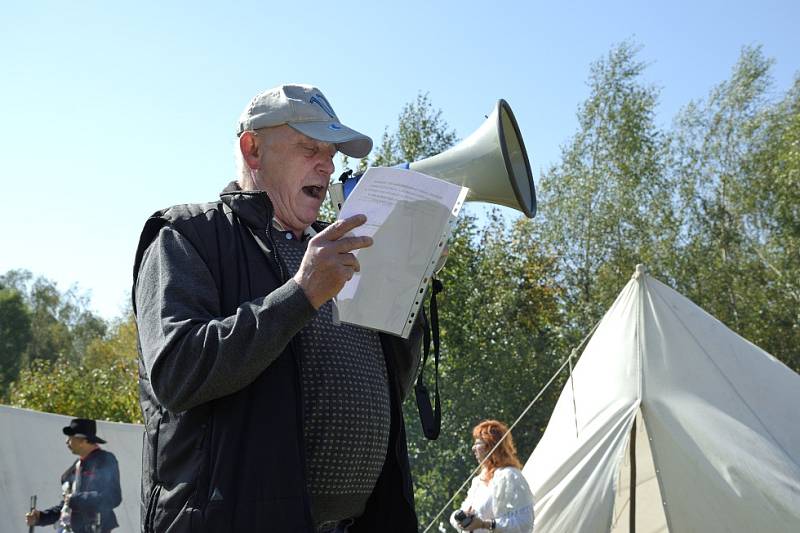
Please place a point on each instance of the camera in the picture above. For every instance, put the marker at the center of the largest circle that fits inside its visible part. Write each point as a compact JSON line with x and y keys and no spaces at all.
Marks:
{"x":463,"y":518}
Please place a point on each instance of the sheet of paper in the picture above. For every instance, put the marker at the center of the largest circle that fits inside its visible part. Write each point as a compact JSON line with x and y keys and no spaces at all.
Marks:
{"x":408,"y":216}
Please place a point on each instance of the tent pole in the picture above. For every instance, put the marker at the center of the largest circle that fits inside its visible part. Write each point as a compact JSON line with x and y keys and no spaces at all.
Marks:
{"x":632,"y":517}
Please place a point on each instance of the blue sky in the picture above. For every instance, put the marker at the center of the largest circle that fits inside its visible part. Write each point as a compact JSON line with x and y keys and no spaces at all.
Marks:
{"x":109,"y":112}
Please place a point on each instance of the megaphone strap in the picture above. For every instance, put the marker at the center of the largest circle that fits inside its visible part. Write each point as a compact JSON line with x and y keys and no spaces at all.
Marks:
{"x":430,"y":417}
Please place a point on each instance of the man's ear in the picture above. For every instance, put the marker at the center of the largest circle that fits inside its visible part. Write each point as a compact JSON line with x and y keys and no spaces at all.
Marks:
{"x":250,"y":150}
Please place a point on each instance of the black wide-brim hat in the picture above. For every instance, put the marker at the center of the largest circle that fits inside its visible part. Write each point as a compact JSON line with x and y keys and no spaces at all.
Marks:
{"x":83,"y":427}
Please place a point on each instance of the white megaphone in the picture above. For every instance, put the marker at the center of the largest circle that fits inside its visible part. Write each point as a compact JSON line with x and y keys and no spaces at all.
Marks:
{"x":492,"y":162}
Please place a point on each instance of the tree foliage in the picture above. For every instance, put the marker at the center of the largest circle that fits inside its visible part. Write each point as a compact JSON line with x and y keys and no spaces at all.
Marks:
{"x":607,"y":205}
{"x":15,"y":335}
{"x":500,"y":326}
{"x":421,"y":132}
{"x":61,"y":324}
{"x":103,"y":385}
{"x":57,"y":356}
{"x":735,"y":168}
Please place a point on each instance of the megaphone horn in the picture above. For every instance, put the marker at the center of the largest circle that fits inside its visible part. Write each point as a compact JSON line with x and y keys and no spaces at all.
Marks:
{"x":492,"y":162}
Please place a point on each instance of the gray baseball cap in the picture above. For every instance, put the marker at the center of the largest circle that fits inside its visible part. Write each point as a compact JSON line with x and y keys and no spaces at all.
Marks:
{"x":305,"y":109}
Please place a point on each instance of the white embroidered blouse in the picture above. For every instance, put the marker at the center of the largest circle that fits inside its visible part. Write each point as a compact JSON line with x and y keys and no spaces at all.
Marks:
{"x":506,"y":498}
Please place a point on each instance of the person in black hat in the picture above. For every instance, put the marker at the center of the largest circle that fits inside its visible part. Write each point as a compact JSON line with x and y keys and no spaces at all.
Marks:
{"x":91,"y":485}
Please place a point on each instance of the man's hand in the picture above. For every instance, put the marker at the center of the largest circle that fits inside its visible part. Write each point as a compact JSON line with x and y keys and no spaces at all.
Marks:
{"x":328,"y":263}
{"x":32,"y":518}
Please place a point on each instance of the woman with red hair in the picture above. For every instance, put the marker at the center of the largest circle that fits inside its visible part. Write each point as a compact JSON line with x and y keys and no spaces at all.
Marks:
{"x":499,"y":498}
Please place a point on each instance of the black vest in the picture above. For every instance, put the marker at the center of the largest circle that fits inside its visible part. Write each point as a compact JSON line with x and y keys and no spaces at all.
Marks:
{"x":237,"y":463}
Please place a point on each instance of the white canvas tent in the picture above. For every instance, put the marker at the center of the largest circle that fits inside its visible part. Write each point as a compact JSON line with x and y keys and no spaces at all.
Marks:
{"x":706,"y":424}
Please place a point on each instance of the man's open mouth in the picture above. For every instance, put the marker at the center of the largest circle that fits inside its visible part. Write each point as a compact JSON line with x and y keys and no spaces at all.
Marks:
{"x":314,"y":191}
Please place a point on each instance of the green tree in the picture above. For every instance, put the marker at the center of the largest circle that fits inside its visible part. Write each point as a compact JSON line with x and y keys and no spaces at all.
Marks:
{"x":772,"y":219}
{"x":102,"y":386}
{"x":501,"y":342}
{"x":71,"y":362}
{"x":15,"y":334}
{"x":607,"y":205}
{"x":421,"y":132}
{"x":736,"y":168}
{"x":62,"y":325}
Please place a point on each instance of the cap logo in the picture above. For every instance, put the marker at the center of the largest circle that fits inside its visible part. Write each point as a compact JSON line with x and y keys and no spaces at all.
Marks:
{"x":323,"y":103}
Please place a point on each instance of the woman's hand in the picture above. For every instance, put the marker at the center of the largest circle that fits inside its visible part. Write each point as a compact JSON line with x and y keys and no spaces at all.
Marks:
{"x":477,"y":523}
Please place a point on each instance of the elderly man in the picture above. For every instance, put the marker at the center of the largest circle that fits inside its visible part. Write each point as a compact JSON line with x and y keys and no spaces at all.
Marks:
{"x":91,"y":485}
{"x":260,"y":413}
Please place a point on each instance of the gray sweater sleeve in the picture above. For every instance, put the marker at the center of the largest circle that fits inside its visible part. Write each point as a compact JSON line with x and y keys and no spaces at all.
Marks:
{"x":193,"y":354}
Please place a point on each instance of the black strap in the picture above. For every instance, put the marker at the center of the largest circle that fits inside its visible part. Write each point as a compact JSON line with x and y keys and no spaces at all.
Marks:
{"x":431,"y":418}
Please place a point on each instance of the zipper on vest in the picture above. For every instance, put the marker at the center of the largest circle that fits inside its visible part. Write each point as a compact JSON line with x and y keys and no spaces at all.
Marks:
{"x":294,"y":348}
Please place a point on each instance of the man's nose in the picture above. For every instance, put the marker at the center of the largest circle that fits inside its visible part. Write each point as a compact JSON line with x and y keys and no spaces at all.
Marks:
{"x":327,"y":168}
{"x":325,"y":165}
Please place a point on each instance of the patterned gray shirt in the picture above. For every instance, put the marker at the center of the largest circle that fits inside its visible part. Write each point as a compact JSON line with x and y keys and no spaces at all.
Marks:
{"x":345,"y":403}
